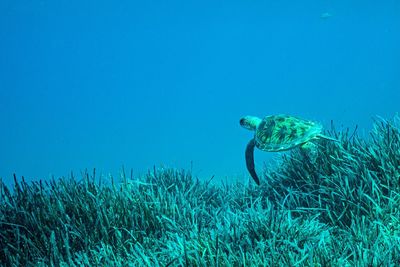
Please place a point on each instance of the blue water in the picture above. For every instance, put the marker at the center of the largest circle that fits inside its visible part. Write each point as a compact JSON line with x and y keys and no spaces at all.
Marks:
{"x":107,"y":84}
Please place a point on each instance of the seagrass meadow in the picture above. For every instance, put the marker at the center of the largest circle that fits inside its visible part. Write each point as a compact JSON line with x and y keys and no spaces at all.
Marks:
{"x":342,"y":210}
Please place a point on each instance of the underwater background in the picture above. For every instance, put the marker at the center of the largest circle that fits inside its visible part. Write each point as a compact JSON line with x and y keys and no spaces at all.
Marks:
{"x":120,"y":142}
{"x":101,"y":84}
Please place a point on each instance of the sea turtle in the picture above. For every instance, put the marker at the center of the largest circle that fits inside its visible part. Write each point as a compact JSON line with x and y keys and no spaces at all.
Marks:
{"x":278,"y":133}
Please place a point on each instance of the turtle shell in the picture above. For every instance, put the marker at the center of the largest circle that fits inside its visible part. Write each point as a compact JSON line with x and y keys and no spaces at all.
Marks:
{"x":283,"y":132}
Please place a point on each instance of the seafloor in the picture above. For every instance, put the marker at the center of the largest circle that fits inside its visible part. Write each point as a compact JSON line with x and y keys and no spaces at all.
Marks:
{"x":342,"y":210}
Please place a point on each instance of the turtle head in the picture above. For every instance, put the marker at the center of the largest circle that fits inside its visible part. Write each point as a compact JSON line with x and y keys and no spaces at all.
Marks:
{"x":250,"y":122}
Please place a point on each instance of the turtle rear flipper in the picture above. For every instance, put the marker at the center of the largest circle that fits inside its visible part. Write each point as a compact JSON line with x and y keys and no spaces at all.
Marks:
{"x":310,"y":151}
{"x":322,"y":136}
{"x":250,"y":160}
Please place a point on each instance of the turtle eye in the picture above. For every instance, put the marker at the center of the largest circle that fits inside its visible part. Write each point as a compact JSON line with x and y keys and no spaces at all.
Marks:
{"x":242,"y":122}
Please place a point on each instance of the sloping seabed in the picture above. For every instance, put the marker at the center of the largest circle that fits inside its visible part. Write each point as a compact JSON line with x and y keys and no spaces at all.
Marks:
{"x":342,"y":210}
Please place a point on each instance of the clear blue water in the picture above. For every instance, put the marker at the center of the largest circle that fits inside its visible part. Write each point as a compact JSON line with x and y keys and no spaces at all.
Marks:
{"x":107,"y":84}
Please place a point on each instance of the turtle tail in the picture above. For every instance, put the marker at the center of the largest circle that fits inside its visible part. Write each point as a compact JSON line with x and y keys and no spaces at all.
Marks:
{"x":250,"y":160}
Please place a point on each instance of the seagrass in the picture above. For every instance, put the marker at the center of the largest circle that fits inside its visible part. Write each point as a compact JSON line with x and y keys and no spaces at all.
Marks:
{"x":341,"y":210}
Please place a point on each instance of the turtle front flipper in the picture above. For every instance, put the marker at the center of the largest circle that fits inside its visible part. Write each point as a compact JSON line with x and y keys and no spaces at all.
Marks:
{"x":250,"y":160}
